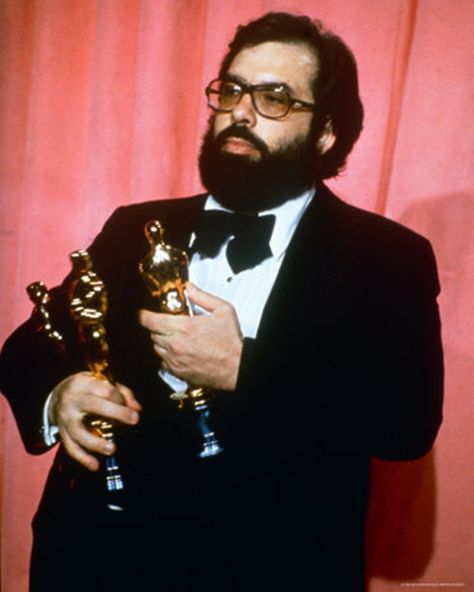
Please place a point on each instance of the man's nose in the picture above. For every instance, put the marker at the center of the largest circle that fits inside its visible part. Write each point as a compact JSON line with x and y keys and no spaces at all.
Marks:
{"x":244,"y":111}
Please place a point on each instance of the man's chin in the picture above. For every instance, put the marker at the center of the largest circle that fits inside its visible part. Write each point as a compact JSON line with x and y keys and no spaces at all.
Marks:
{"x":241,"y":158}
{"x":241,"y":175}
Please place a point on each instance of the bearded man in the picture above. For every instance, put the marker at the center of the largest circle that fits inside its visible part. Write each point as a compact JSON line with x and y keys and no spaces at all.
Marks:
{"x":316,"y":327}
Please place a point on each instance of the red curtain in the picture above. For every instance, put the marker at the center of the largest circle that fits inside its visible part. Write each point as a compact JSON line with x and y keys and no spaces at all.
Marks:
{"x":101,"y":104}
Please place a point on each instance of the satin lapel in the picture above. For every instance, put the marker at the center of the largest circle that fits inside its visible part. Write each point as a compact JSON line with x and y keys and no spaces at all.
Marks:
{"x":181,"y":219}
{"x":321,"y":251}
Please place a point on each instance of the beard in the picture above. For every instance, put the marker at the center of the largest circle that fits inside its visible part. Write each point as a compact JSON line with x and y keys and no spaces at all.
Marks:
{"x":245,"y":185}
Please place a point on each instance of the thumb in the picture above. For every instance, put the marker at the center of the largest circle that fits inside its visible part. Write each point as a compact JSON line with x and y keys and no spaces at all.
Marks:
{"x":203,"y":299}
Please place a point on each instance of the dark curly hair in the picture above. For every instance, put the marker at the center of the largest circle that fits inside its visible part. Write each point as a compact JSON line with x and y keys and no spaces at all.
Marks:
{"x":335,"y":88}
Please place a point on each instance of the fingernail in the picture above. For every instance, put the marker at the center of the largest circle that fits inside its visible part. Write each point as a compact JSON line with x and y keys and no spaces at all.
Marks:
{"x":134,"y":417}
{"x":109,"y":447}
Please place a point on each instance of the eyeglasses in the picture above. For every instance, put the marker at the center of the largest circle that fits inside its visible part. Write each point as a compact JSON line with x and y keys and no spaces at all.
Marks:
{"x":269,"y":100}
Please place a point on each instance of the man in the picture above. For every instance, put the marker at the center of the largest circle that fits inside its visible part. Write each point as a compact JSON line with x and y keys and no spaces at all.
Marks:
{"x":323,"y":348}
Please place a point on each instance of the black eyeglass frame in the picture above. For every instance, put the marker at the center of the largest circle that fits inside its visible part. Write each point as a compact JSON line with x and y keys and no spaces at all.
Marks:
{"x":293,"y":103}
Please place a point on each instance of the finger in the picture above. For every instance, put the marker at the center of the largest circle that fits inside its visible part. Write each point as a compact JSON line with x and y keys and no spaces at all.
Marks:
{"x":169,"y":362}
{"x":110,"y":410}
{"x":129,"y":397}
{"x":77,"y":453}
{"x":89,"y":437}
{"x":105,"y":390}
{"x":162,"y":342}
{"x":165,"y":366}
{"x":203,"y":299}
{"x":164,"y":355}
{"x":86,"y":382}
{"x":117,"y":393}
{"x":156,"y":322}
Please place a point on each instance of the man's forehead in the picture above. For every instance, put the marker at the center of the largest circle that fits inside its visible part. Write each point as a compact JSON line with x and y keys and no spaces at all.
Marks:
{"x":293,"y":63}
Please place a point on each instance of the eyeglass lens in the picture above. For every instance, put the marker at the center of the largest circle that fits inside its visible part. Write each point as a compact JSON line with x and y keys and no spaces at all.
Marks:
{"x":268,"y":101}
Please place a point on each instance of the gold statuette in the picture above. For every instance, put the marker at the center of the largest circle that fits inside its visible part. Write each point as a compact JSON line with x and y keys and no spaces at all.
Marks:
{"x":39,"y":295}
{"x":165,"y":272}
{"x":88,"y":307}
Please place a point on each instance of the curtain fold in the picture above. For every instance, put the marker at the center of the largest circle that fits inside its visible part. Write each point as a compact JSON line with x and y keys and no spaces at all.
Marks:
{"x":102,"y":103}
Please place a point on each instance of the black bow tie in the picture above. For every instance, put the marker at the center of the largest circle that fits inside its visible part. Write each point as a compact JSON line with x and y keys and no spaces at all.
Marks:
{"x":251,"y":236}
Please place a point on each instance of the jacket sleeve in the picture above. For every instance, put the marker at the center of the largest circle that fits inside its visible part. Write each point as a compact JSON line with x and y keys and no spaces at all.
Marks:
{"x":30,"y":364}
{"x":406,"y":379}
{"x":382,"y":362}
{"x":30,"y":367}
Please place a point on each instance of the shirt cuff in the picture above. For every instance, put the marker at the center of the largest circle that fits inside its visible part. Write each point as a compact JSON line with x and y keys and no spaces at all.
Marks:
{"x":50,"y":431}
{"x":175,"y":383}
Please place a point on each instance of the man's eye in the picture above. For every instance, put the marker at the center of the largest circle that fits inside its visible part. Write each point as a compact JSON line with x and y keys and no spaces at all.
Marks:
{"x":230,"y":90}
{"x":273,"y":98}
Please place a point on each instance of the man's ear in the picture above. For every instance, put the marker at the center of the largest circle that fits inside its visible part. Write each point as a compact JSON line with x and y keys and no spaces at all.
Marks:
{"x":326,"y":139}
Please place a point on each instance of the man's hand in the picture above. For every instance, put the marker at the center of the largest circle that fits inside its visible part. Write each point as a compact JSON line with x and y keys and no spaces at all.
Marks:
{"x":204,"y":350}
{"x":80,"y":395}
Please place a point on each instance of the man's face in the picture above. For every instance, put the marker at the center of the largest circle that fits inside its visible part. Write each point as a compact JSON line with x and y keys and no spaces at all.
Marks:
{"x":293,"y":64}
{"x":252,"y":163}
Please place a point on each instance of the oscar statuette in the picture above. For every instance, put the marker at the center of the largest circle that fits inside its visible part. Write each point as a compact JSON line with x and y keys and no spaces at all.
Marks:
{"x":88,"y":307}
{"x":39,"y":295}
{"x":165,"y":272}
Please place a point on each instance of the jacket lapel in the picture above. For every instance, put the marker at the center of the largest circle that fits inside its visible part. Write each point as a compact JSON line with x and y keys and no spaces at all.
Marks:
{"x":320,"y":252}
{"x":180,"y":220}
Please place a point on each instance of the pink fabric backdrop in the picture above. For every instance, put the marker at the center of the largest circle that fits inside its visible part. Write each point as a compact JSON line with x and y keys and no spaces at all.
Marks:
{"x":101,"y":103}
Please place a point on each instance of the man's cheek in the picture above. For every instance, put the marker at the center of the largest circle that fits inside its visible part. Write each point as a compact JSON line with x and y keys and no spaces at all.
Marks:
{"x":221,"y":122}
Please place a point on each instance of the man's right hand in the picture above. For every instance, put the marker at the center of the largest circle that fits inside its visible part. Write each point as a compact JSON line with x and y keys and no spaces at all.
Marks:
{"x":81,"y":395}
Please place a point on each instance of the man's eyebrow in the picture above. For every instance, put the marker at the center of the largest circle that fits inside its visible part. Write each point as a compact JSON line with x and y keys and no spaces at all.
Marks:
{"x":239,"y":80}
{"x":234,"y":78}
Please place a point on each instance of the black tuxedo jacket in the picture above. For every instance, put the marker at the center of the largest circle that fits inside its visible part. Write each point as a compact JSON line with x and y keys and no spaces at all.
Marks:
{"x":347,"y":364}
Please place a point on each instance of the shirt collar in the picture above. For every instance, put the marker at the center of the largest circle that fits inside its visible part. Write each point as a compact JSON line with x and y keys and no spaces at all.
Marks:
{"x":287,"y":217}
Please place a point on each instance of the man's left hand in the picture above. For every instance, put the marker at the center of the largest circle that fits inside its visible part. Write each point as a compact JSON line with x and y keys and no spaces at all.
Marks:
{"x":204,"y":350}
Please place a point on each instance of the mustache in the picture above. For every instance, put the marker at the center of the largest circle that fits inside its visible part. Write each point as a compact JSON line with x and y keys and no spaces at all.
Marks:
{"x":239,"y":131}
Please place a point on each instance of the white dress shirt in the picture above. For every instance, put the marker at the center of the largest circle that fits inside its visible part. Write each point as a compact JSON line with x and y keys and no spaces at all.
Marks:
{"x":247,"y":291}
